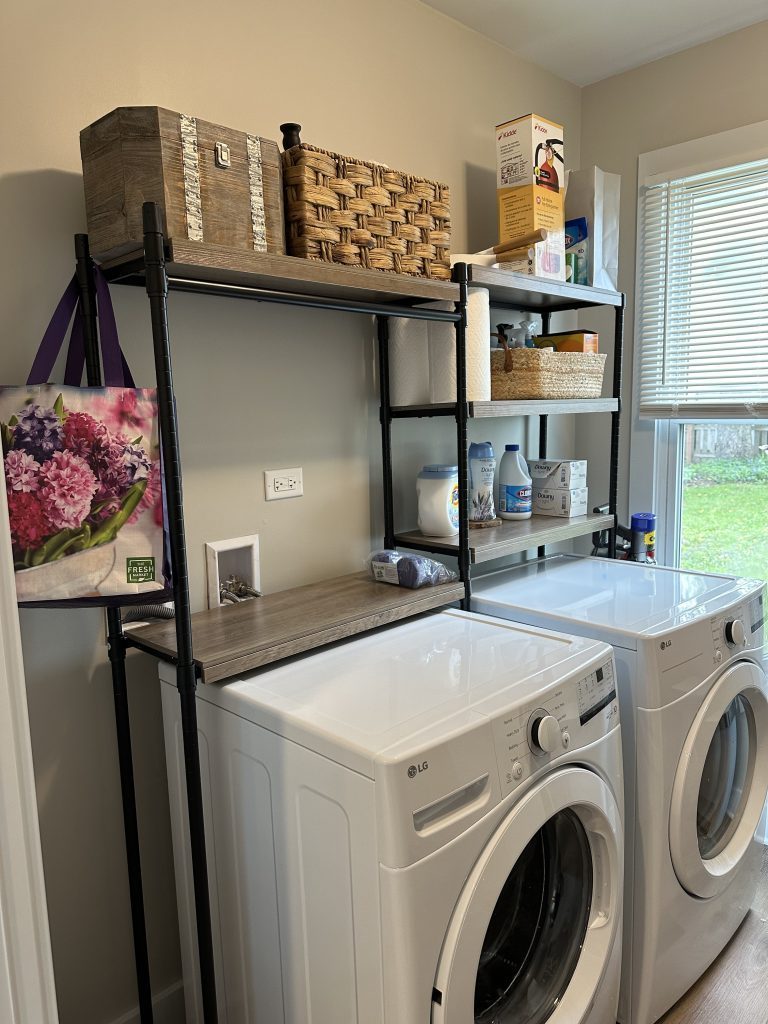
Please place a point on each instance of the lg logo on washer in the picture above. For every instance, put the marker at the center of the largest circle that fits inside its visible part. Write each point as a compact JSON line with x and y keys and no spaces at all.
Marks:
{"x":416,"y":769}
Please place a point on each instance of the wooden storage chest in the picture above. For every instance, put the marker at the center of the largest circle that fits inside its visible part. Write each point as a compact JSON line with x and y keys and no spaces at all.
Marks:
{"x":216,"y":185}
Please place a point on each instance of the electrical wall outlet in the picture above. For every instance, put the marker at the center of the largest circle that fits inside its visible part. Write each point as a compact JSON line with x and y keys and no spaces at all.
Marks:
{"x":283,"y":483}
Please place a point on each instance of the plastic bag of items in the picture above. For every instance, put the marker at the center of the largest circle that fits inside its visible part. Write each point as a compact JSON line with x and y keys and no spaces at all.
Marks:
{"x":408,"y":570}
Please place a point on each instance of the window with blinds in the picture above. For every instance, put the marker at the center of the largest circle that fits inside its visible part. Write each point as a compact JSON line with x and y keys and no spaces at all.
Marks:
{"x":703,"y":295}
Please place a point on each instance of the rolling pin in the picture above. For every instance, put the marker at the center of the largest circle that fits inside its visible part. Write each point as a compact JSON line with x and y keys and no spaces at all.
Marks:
{"x":513,"y":244}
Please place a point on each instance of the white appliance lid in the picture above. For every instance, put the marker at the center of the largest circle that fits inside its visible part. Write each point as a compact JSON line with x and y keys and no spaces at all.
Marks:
{"x":425,"y":678}
{"x":623,"y":597}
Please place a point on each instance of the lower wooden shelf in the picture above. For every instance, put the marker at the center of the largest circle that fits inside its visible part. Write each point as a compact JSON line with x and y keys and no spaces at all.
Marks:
{"x":512,"y":536}
{"x":234,"y":639}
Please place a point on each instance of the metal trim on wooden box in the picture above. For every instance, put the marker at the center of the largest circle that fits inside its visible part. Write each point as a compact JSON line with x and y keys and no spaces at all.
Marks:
{"x":215,"y":185}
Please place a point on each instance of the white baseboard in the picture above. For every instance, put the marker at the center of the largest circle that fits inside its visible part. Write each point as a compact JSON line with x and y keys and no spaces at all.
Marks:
{"x":168,"y":1007}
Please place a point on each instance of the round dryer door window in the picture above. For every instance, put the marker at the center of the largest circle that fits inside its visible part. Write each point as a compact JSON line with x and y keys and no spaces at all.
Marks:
{"x":535,"y":925}
{"x":721,"y":783}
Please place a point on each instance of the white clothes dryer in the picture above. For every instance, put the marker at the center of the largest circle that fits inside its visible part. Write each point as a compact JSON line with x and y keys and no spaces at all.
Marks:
{"x":694,"y":706}
{"x":421,"y":825}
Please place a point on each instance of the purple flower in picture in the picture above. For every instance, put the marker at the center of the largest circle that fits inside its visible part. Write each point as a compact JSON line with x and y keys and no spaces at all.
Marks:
{"x":67,"y":486}
{"x":21,"y":472}
{"x":136,"y":462}
{"x":38,"y":432}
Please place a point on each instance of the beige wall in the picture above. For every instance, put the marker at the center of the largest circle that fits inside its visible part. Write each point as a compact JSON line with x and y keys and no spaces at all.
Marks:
{"x":258,"y":387}
{"x":704,"y":90}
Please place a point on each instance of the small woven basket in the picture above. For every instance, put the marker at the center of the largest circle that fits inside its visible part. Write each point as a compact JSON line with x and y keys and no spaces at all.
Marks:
{"x":362,"y":214}
{"x":519,"y":373}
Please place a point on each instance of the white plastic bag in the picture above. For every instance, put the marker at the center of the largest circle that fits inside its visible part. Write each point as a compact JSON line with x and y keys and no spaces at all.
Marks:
{"x":596,"y":195}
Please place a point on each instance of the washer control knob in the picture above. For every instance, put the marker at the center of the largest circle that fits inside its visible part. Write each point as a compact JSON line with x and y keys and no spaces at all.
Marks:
{"x":735,"y":633}
{"x":545,"y":734}
{"x":566,"y":739}
{"x":517,"y":770}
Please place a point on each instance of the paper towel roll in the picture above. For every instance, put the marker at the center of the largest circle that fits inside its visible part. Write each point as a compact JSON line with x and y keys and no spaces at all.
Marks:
{"x":408,"y":362}
{"x":442,"y":353}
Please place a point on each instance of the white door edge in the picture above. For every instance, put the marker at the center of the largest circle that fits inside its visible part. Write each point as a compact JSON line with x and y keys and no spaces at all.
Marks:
{"x":708,"y":878}
{"x":572,"y":788}
{"x":27,"y":991}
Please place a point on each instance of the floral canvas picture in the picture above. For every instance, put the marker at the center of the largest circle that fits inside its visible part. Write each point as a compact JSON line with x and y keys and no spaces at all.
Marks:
{"x":82,"y":478}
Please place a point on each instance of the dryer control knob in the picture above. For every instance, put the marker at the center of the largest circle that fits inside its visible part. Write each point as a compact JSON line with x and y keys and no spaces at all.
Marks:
{"x":735,"y":633}
{"x":545,"y":734}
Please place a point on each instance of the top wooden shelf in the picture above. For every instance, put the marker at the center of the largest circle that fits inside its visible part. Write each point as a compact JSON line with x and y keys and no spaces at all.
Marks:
{"x":538,"y":294}
{"x":198,"y":266}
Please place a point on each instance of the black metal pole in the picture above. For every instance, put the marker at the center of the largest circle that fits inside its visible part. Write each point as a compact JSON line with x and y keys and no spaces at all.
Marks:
{"x":462,"y":415}
{"x":546,"y":318}
{"x":385,"y":416}
{"x":618,"y":358}
{"x":157,"y":290}
{"x":116,"y":646}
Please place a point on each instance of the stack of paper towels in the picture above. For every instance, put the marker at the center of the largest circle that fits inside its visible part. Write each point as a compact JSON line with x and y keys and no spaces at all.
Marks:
{"x":422,"y":356}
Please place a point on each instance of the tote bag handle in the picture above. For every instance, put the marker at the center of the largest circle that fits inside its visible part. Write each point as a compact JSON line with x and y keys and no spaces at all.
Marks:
{"x":116,"y":371}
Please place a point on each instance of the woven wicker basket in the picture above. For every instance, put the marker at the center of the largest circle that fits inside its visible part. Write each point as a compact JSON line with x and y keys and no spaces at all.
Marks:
{"x":519,"y":373}
{"x":361,"y":214}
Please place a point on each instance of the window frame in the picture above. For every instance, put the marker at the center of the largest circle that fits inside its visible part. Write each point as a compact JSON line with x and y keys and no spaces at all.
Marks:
{"x":655,"y":479}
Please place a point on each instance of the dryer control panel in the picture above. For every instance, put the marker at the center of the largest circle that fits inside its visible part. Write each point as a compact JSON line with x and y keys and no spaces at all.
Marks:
{"x":741,"y":628}
{"x":574,"y":715}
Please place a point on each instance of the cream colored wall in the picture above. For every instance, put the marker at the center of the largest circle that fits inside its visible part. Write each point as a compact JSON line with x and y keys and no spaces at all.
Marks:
{"x":258,"y":387}
{"x":701,"y":91}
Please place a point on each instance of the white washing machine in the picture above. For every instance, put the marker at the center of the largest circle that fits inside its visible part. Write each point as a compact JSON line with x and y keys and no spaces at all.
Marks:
{"x":422,"y":825}
{"x":692,"y":693}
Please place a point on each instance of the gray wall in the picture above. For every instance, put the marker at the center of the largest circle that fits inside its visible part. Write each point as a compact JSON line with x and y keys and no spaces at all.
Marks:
{"x":258,"y":387}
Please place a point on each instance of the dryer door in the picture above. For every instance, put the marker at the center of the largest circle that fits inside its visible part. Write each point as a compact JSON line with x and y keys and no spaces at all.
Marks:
{"x":721,"y":782}
{"x":535,"y":925}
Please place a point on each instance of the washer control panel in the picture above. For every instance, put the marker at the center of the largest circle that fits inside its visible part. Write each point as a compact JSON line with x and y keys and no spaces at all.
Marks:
{"x":741,"y":627}
{"x":567,"y":717}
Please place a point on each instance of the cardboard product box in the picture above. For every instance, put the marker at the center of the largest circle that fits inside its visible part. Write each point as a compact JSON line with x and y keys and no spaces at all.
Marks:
{"x":569,"y":341}
{"x":545,"y":259}
{"x":530,"y":177}
{"x":553,"y":502}
{"x":558,"y":474}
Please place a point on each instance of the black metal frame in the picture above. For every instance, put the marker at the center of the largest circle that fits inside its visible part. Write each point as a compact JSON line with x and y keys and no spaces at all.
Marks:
{"x":461,"y":413}
{"x":150,"y":271}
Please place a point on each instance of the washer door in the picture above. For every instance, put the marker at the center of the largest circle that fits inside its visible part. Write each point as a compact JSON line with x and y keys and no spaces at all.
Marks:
{"x":721,"y":782}
{"x":535,"y":925}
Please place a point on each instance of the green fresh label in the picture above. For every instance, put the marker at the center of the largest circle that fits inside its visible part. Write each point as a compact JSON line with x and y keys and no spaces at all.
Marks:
{"x":140,"y":570}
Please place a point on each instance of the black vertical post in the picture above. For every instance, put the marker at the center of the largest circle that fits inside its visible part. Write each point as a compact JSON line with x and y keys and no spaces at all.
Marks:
{"x":546,"y":317}
{"x":618,"y":358}
{"x":157,"y":290}
{"x":116,"y":646}
{"x":462,"y":415}
{"x":385,"y":416}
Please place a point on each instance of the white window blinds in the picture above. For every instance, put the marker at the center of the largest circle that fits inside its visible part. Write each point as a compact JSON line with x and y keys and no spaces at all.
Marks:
{"x":703,"y":295}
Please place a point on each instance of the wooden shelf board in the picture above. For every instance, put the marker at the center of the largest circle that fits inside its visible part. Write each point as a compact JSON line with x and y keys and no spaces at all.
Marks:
{"x":513,"y":536}
{"x":538,"y":294}
{"x":537,"y":407}
{"x":237,"y":638}
{"x":204,"y":264}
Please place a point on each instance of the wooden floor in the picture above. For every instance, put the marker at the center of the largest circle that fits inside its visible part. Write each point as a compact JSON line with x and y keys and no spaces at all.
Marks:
{"x":735,"y":988}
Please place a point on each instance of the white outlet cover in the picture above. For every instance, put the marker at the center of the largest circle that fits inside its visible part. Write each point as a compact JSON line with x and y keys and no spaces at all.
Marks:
{"x":283,"y":483}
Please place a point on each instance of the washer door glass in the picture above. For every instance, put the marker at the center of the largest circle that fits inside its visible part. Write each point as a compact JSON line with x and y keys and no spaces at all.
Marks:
{"x":537,"y":929}
{"x":726,"y":778}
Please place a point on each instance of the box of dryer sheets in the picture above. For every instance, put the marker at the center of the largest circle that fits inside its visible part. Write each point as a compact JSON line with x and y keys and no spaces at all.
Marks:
{"x":530,"y":181}
{"x":558,"y":474}
{"x":568,"y":341}
{"x":554,"y":502}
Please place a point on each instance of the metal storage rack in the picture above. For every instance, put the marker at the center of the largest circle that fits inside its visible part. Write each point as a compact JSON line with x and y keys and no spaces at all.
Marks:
{"x":219,"y":643}
{"x":512,"y":291}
